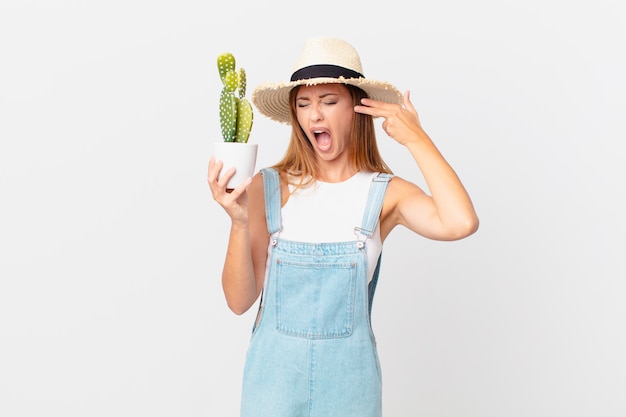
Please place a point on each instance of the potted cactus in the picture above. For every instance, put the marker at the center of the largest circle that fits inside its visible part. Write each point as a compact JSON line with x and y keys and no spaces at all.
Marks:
{"x":236,"y":118}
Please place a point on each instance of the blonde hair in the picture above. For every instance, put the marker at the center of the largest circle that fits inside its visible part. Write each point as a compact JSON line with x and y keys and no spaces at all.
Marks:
{"x":299,"y":166}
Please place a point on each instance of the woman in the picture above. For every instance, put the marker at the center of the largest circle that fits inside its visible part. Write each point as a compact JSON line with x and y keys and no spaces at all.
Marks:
{"x":306,"y":234}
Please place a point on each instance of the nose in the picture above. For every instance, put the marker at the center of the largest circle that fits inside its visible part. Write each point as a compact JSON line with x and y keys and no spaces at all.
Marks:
{"x":316,"y":113}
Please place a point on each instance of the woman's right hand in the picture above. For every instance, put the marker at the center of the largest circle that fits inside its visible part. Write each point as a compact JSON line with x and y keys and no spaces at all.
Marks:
{"x":234,"y":201}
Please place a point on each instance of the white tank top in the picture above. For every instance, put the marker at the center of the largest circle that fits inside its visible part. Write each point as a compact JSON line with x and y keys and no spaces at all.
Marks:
{"x":328,"y":212}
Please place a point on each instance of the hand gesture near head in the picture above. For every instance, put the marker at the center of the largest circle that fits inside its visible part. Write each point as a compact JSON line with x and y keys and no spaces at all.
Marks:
{"x":447,"y":213}
{"x":401,"y":122}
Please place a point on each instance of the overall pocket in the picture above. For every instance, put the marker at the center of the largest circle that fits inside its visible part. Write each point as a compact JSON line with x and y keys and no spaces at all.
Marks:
{"x":315,"y":300}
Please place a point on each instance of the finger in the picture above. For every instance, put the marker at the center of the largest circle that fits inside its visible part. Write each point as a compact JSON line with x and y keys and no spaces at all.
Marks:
{"x":373,"y":107}
{"x":223,"y":179}
{"x":211,"y":163}
{"x":365,"y":110}
{"x":369,"y":102}
{"x":406,"y":99}
{"x":237,"y":191}
{"x":214,"y":169}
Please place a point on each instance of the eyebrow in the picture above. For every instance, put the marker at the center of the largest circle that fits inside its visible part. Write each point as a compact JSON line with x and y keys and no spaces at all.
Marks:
{"x":321,"y":96}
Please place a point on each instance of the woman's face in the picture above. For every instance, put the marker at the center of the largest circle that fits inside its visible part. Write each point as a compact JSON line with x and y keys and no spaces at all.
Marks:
{"x":325,"y":113}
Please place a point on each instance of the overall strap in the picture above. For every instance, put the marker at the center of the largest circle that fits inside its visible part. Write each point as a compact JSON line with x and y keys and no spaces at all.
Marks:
{"x":271,"y":187}
{"x":375,"y":199}
{"x":378,"y":188}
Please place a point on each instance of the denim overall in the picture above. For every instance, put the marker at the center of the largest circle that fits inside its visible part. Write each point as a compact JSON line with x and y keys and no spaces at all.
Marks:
{"x":312,"y":352}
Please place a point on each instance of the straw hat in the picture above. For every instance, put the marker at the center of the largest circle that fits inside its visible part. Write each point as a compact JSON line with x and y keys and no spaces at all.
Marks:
{"x":322,"y":61}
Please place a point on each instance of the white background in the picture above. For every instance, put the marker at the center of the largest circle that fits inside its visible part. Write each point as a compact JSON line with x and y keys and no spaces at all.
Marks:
{"x":111,"y":247}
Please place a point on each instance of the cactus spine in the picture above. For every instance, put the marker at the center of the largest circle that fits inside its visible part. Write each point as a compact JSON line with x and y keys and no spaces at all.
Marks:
{"x":235,"y":110}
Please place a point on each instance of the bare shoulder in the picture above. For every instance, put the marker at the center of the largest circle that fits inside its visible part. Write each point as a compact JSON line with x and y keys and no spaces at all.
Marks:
{"x":408,"y":205}
{"x":256,"y":200}
{"x":256,"y":197}
{"x":399,"y":192}
{"x":255,"y":189}
{"x":399,"y":185}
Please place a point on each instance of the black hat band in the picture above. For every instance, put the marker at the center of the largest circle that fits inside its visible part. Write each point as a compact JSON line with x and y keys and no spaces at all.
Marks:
{"x":324,"y":71}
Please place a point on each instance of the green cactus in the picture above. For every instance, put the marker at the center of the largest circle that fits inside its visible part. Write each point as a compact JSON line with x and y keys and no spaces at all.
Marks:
{"x":235,"y":110}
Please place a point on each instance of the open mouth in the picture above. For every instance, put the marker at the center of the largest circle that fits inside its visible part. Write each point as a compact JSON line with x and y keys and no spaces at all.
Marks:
{"x":323,"y":139}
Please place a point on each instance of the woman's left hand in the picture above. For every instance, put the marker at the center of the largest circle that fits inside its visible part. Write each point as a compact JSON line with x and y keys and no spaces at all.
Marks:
{"x":401,"y":122}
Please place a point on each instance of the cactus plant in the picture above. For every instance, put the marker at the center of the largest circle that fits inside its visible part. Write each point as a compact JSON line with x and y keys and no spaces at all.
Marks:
{"x":235,"y":110}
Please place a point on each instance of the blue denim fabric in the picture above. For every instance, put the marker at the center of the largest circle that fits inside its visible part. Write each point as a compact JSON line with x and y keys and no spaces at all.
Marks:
{"x":312,"y":352}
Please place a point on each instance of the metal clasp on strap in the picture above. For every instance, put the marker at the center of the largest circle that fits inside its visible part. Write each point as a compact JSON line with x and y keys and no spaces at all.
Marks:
{"x":361,"y":237}
{"x":273,"y":238}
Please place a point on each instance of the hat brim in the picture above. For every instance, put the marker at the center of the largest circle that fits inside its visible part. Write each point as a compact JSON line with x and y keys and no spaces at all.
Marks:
{"x":272,"y":99}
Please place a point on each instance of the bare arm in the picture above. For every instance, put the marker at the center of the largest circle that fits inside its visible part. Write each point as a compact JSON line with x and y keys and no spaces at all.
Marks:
{"x":244,"y":265}
{"x":446,"y":214}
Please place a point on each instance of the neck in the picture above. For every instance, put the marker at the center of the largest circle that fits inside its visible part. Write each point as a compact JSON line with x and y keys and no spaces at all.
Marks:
{"x":336,"y":174}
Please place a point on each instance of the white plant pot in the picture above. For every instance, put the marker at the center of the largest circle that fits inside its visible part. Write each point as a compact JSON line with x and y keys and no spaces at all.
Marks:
{"x":242,"y":156}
